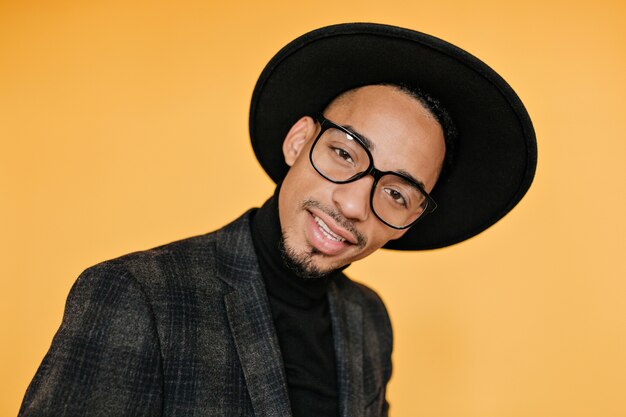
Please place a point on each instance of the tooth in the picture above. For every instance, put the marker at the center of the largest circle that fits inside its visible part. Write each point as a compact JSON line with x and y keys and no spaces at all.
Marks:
{"x":326,"y":230}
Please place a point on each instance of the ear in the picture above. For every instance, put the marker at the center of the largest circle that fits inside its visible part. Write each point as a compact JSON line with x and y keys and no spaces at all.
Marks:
{"x":299,"y":134}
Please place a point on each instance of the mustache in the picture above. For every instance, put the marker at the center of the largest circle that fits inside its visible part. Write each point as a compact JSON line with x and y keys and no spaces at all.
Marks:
{"x":361,"y":240}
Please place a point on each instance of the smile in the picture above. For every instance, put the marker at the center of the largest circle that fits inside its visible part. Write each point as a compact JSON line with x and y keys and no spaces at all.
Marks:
{"x":326,"y":230}
{"x":325,"y":237}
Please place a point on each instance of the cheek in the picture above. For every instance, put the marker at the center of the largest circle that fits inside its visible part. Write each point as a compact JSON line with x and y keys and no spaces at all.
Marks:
{"x":299,"y":185}
{"x":303,"y":182}
{"x":379,"y":235}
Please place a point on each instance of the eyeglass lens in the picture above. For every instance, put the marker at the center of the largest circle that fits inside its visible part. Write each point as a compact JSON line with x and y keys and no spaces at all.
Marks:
{"x":339,"y":157}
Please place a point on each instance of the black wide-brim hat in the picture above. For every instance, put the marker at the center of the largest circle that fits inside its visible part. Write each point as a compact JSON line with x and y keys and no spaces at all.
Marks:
{"x":495,"y":152}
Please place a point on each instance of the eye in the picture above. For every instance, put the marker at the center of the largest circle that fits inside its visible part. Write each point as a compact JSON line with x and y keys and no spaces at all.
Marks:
{"x":343,"y":154}
{"x":396,"y":196}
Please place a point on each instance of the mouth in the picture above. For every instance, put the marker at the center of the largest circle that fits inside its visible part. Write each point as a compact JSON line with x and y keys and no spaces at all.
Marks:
{"x":326,"y":236}
{"x":327,"y":231}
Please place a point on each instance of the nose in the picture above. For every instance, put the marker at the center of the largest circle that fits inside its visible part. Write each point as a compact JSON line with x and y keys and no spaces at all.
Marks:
{"x":353,"y":198}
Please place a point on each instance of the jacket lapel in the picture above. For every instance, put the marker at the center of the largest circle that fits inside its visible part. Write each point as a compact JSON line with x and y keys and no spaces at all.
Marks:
{"x":251,"y":322}
{"x":347,"y":324}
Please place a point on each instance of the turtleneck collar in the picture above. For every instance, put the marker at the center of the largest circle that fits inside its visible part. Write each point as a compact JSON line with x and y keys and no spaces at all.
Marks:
{"x":282,"y":282}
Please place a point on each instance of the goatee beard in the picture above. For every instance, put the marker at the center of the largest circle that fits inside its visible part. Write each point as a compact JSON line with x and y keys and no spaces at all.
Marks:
{"x":300,"y":263}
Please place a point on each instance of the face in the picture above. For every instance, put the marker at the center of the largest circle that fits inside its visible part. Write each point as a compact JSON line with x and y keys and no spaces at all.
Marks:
{"x":325,"y":225}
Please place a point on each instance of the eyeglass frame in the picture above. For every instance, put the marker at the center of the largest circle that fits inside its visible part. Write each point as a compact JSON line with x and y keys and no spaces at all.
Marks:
{"x":326,"y":124}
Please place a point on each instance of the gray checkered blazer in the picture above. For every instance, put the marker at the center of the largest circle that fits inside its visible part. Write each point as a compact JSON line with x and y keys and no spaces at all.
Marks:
{"x":185,"y":330}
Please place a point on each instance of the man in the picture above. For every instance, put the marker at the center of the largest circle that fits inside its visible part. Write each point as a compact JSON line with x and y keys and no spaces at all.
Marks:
{"x":257,"y":318}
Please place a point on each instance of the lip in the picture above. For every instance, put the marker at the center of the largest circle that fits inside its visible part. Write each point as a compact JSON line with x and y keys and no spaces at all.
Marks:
{"x":319,"y":239}
{"x":332,"y":225}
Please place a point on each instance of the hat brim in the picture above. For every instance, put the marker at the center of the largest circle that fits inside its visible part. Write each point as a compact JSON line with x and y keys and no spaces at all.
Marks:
{"x":495,"y":152}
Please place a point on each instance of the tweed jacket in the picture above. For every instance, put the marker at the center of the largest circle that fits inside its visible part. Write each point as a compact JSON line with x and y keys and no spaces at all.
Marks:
{"x":185,"y":329}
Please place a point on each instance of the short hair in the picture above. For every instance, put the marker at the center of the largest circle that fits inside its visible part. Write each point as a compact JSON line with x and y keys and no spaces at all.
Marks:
{"x":432,"y":106}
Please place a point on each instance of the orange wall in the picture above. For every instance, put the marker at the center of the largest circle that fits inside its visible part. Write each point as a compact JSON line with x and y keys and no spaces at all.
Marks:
{"x":123,"y":125}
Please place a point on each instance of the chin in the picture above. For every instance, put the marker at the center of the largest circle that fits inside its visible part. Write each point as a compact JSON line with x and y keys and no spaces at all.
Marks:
{"x":308,"y":262}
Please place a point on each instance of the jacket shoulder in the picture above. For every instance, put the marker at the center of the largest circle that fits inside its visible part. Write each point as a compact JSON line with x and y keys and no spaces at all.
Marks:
{"x":138,"y":326}
{"x":378,"y":342}
{"x":360,"y":294}
{"x":375,"y":315}
{"x":186,"y":261}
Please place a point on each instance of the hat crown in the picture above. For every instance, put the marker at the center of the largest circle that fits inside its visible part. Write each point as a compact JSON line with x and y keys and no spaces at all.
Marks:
{"x":495,"y":156}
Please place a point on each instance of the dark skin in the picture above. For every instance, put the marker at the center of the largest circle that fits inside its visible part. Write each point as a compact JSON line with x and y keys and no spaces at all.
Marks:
{"x":405,"y":137}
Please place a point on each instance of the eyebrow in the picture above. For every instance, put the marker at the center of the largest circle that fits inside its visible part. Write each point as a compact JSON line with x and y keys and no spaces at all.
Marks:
{"x":370,"y":147}
{"x":412,"y":178}
{"x":368,"y":143}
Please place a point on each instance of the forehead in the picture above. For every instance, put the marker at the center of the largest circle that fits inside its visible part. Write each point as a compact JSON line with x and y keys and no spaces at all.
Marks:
{"x":405,"y":136}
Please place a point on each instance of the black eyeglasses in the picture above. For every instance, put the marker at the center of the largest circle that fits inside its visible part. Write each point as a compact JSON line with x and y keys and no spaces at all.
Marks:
{"x":341,"y":157}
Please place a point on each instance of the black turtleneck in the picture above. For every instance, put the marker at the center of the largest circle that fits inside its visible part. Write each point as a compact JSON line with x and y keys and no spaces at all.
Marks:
{"x":302,"y":320}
